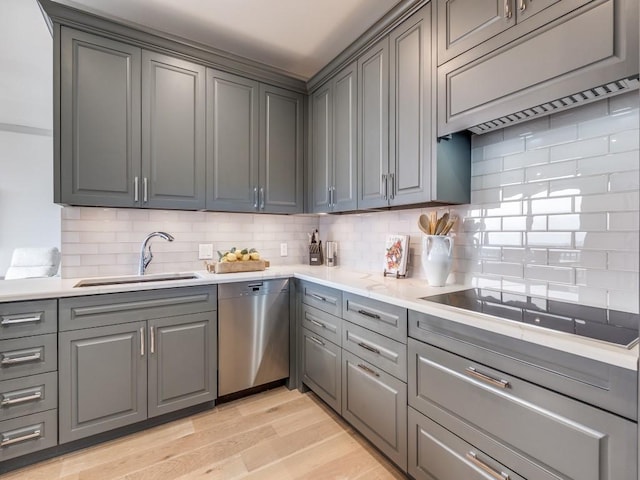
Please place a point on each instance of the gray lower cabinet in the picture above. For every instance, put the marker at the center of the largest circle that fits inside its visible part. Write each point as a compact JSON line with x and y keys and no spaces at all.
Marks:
{"x":376,"y":404}
{"x":132,"y":126}
{"x":127,"y":357}
{"x":322,"y":368}
{"x":587,"y":45}
{"x":103,"y":379}
{"x":333,"y":142}
{"x":28,"y":434}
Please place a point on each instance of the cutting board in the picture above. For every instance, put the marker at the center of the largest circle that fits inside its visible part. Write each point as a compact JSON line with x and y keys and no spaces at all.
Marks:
{"x":235,"y":267}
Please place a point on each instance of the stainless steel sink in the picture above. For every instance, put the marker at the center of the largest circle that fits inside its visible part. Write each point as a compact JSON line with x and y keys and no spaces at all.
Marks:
{"x":161,"y":277}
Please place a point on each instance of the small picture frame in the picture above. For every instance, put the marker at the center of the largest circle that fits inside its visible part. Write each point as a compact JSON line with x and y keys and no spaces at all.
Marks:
{"x":396,"y":255}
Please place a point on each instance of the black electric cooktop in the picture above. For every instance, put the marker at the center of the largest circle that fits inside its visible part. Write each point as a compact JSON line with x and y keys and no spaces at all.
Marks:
{"x":611,"y":326}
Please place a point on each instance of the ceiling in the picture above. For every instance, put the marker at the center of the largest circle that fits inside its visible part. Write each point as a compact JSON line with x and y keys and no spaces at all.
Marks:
{"x":296,"y":36}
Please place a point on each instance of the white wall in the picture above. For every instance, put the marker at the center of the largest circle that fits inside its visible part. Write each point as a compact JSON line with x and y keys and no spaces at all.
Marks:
{"x":28,"y":216}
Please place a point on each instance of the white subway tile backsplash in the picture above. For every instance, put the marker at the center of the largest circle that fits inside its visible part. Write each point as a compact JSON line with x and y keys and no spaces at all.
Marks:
{"x":624,"y":221}
{"x":576,"y":115}
{"x":552,"y":137}
{"x":624,"y":181}
{"x":513,"y":239}
{"x":549,"y":239}
{"x":614,"y":162}
{"x":501,"y":179}
{"x":526,"y":159}
{"x":578,"y":221}
{"x":579,"y":186}
{"x":611,"y":202}
{"x":580,"y":149}
{"x":552,"y":205}
{"x":624,"y":141}
{"x":622,"y":261}
{"x":577,"y":258}
{"x":627,"y":241}
{"x":525,"y":255}
{"x":503,"y":268}
{"x":507,"y":147}
{"x":617,"y":122}
{"x":486,"y":167}
{"x":550,"y":273}
{"x":526,"y":191}
{"x":553,"y":171}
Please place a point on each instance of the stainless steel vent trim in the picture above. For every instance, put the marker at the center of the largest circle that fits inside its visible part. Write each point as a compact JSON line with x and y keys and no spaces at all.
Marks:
{"x":581,"y":98}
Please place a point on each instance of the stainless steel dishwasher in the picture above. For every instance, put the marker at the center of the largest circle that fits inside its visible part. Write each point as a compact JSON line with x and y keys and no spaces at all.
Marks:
{"x":253,"y":334}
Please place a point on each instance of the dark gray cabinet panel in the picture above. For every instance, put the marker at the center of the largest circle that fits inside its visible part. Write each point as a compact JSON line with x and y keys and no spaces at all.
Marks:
{"x":376,"y":404}
{"x":28,"y":434}
{"x":99,"y":120}
{"x":381,"y":317}
{"x":20,"y":357}
{"x":411,"y":110}
{"x":321,"y":323}
{"x":27,"y":395}
{"x":281,"y":151}
{"x":22,"y":319}
{"x":321,"y":160}
{"x":373,"y":126}
{"x":321,"y":368}
{"x":173,"y":133}
{"x":232,"y":142}
{"x":103,"y":379}
{"x":182,"y":362}
{"x":324,"y":298}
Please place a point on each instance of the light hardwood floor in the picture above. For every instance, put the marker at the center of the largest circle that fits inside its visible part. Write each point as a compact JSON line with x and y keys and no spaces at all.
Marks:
{"x":279,"y":434}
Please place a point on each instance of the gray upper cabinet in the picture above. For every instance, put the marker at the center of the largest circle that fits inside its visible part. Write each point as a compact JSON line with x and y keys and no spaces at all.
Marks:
{"x":232,"y":142}
{"x":173,"y":133}
{"x":131,"y":126}
{"x":281,"y":150}
{"x":254,"y":146}
{"x":334,"y":143}
{"x":584,"y":46}
{"x":373,"y":126}
{"x":99,"y":129}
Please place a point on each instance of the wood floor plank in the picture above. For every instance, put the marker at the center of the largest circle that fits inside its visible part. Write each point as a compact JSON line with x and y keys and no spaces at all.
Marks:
{"x":227,"y":469}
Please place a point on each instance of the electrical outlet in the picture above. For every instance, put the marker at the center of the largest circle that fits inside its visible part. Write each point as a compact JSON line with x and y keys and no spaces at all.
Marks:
{"x":283,"y":250}
{"x":205,"y":251}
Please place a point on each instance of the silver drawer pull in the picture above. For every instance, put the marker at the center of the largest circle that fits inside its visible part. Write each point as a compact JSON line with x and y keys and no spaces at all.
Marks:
{"x":13,"y":319}
{"x":318,"y":297}
{"x":473,"y":458}
{"x":507,"y":9}
{"x":315,"y":340}
{"x":142,"y":341}
{"x":523,"y":6}
{"x":486,"y":378}
{"x":317,"y":324}
{"x":368,"y":370}
{"x":17,"y":400}
{"x":29,"y":436}
{"x":369,"y":347}
{"x":7,"y":360}
{"x":369,"y":314}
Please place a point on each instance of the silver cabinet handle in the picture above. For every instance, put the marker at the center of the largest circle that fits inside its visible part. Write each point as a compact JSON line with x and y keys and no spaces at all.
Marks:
{"x":473,"y":458}
{"x":136,"y":189}
{"x":255,"y":197}
{"x":15,"y":319}
{"x":318,"y":297}
{"x":368,"y":370}
{"x":487,"y":378}
{"x":384,"y":186}
{"x":152,"y":346}
{"x":333,"y":196}
{"x":523,"y":6}
{"x":369,"y":347}
{"x":142,"y":341}
{"x":507,"y":9}
{"x":7,"y":359}
{"x":6,"y":441}
{"x":392,"y":179}
{"x":8,"y":399}
{"x":317,"y":324}
{"x":261,"y":198}
{"x":369,"y":314}
{"x":315,"y":340}
{"x":145,"y":190}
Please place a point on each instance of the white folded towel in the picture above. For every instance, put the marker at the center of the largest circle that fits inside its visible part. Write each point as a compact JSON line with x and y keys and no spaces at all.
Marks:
{"x":33,"y":262}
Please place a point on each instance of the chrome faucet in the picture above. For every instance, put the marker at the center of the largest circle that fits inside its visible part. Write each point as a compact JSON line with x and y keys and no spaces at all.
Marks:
{"x":145,"y":259}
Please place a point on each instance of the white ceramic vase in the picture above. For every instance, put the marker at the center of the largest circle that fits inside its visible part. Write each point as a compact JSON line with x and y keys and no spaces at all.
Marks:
{"x":436,"y":258}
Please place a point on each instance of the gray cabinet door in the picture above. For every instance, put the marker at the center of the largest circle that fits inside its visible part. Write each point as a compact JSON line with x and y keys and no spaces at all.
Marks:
{"x":373,"y":125}
{"x":463,"y":24}
{"x":411,"y":110}
{"x":182,"y":362}
{"x":321,"y":133}
{"x":528,"y":8}
{"x":99,"y":120}
{"x":232,"y":142}
{"x":321,"y":368}
{"x":281,"y":151}
{"x":344,"y":195}
{"x":173,"y":133}
{"x":376,"y":404}
{"x":102,"y":379}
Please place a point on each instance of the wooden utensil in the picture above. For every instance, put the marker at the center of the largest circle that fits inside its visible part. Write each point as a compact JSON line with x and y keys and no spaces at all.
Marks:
{"x":424,"y":224}
{"x":448,"y":226}
{"x":441,"y":224}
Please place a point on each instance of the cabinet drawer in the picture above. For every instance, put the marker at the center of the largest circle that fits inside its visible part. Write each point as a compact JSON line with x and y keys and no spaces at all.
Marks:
{"x":386,"y":319}
{"x":27,"y":395}
{"x":322,"y":323}
{"x":384,"y":353}
{"x":28,"y":434}
{"x":115,"y":308}
{"x":324,"y":298}
{"x":20,"y":357}
{"x":321,"y":368}
{"x":376,"y":404}
{"x":21,"y":319}
{"x":437,"y":454}
{"x":522,"y":416}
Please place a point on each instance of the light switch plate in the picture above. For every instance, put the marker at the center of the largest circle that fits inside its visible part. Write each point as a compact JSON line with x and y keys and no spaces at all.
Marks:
{"x":284,"y":251}
{"x":205,"y":251}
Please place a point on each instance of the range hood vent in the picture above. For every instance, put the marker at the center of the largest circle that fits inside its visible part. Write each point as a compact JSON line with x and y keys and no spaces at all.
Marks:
{"x":596,"y":93}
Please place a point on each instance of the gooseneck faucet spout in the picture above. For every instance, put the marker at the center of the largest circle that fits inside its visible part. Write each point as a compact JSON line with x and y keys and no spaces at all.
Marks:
{"x":145,"y":258}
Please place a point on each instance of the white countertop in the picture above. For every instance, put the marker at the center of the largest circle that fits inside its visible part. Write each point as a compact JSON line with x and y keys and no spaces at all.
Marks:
{"x":402,"y":292}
